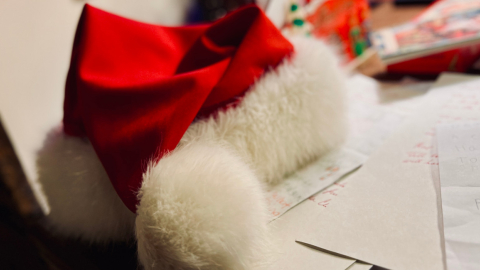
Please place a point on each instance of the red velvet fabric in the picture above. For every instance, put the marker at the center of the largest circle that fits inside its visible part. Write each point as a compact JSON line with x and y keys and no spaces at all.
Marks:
{"x":134,"y":88}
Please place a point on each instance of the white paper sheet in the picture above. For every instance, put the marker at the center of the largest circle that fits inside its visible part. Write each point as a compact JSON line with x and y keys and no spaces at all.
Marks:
{"x":370,"y":108}
{"x":459,"y":161}
{"x":289,"y":255}
{"x":376,"y":110}
{"x":374,"y":113}
{"x":360,"y":266}
{"x":387,"y":213}
{"x":311,"y":179}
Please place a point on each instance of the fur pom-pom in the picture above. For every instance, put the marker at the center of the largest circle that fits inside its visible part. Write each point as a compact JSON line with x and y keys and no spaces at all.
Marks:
{"x":201,"y":207}
{"x":82,"y":201}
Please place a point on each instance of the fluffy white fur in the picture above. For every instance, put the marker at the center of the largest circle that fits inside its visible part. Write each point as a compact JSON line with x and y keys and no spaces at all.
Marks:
{"x":291,"y":115}
{"x":82,"y":200}
{"x":201,"y":207}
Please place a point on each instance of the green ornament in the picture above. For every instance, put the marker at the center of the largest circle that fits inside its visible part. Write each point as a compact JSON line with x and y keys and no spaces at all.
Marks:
{"x":298,"y":22}
{"x":293,"y":7}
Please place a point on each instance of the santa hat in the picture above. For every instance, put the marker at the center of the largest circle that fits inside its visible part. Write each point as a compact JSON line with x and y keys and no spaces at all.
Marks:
{"x":188,"y":124}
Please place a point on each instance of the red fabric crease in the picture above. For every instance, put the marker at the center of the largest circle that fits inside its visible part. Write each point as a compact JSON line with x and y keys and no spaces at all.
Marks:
{"x":134,"y":88}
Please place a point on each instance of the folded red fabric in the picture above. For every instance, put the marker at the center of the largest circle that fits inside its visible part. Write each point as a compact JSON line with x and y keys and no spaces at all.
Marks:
{"x":134,"y":88}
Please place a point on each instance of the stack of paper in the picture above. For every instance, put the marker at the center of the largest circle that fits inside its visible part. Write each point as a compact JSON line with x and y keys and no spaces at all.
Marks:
{"x":387,"y":213}
{"x":459,"y":161}
{"x":375,"y":111}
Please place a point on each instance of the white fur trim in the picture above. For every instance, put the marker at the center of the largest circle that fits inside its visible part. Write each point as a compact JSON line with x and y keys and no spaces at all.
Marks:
{"x":82,"y":200}
{"x":201,"y":207}
{"x":291,"y":115}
